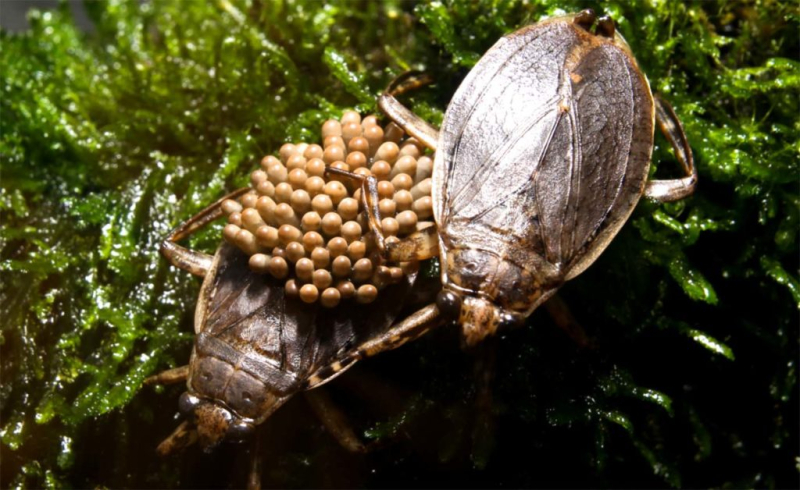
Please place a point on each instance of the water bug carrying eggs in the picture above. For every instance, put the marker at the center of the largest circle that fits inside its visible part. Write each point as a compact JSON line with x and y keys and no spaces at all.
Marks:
{"x":305,"y":223}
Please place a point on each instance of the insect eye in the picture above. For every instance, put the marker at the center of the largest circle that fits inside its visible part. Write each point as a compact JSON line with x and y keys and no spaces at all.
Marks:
{"x":187,"y":403}
{"x":449,"y":304}
{"x":239,"y":430}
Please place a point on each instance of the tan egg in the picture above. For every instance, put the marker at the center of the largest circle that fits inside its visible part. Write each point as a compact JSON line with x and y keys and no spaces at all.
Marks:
{"x":296,"y":162}
{"x":322,"y":204}
{"x":348,"y":208}
{"x":330,"y":297}
{"x":322,"y":278}
{"x":333,"y":141}
{"x":286,"y":151}
{"x":340,"y":179}
{"x":407,"y":221}
{"x":350,"y":130}
{"x":299,"y":149}
{"x":359,"y":144}
{"x":356,"y":159}
{"x":393,"y":133}
{"x":277,"y":173}
{"x":291,"y":289}
{"x":321,"y":258}
{"x":246,"y":241}
{"x":266,"y":188}
{"x":311,"y":221}
{"x":402,"y":182}
{"x":387,"y":208}
{"x":356,"y":250}
{"x":269,"y":160}
{"x":341,"y":266}
{"x":381,"y":169}
{"x":366,"y":293}
{"x":390,"y":226}
{"x":288,"y":234}
{"x":385,"y":189}
{"x":309,"y":293}
{"x":257,"y":177}
{"x":331,"y":224}
{"x":423,"y":207}
{"x":266,"y":208}
{"x":267,"y":237}
{"x":337,"y":246}
{"x":404,"y":200}
{"x":374,"y":136}
{"x":278,"y":267}
{"x":300,"y":202}
{"x":231,"y":206}
{"x":259,"y":263}
{"x":396,"y":274}
{"x":350,"y":117}
{"x":284,"y":215}
{"x":235,"y":219}
{"x":331,"y":127}
{"x":336,"y":191}
{"x":315,"y":167}
{"x":369,"y":121}
{"x":346,"y":288}
{"x":283,"y":192}
{"x":424,"y":168}
{"x":333,"y":153}
{"x":278,"y":252}
{"x":312,"y":240}
{"x":410,"y":149}
{"x":351,"y":231}
{"x":295,"y":251}
{"x":314,"y":186}
{"x":304,"y":269}
{"x":387,"y":151}
{"x":249,"y":200}
{"x":229,"y":233}
{"x":422,"y":189}
{"x":382,"y":277}
{"x":404,"y":165}
{"x":313,"y":151}
{"x":297,"y":178}
{"x":251,"y":220}
{"x":362,"y":270}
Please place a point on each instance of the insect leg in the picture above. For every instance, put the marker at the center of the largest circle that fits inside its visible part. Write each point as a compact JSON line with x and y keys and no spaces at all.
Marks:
{"x":254,"y":476}
{"x":559,"y":312}
{"x":196,"y":263}
{"x":334,"y":420}
{"x":400,"y":115}
{"x":421,"y":245}
{"x":168,"y":377}
{"x":484,"y":427}
{"x":674,"y":189}
{"x":182,"y":437}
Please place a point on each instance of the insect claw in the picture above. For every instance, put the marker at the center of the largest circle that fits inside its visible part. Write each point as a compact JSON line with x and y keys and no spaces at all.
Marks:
{"x":605,"y":26}
{"x":585,"y":18}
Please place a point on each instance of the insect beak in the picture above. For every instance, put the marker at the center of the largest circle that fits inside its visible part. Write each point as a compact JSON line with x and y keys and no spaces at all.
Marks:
{"x":479,"y":319}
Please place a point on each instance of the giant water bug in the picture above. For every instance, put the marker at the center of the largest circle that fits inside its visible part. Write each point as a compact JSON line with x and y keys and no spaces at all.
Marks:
{"x":255,"y":348}
{"x":543,"y":154}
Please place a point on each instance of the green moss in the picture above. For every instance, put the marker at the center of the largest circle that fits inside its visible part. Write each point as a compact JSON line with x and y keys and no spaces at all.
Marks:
{"x":109,"y":139}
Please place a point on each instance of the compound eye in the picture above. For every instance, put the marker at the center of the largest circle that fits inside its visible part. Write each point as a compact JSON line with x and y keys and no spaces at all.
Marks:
{"x":508,"y":320}
{"x":187,"y":403}
{"x":449,"y":305}
{"x":239,"y":430}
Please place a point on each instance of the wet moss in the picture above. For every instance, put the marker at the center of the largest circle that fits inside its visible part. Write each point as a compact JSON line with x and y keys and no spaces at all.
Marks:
{"x":109,"y":139}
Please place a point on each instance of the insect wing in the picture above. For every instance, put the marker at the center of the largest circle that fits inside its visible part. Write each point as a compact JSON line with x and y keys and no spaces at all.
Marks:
{"x":545,"y":147}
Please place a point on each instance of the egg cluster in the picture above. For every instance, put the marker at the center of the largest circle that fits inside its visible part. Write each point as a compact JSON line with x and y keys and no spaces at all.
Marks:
{"x":308,"y":226}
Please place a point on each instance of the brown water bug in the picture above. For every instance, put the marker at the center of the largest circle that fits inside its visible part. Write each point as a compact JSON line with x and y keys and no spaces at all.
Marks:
{"x":255,"y":348}
{"x":543,"y":153}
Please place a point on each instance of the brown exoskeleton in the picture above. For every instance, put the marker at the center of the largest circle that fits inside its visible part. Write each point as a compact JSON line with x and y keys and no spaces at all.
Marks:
{"x":543,"y":153}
